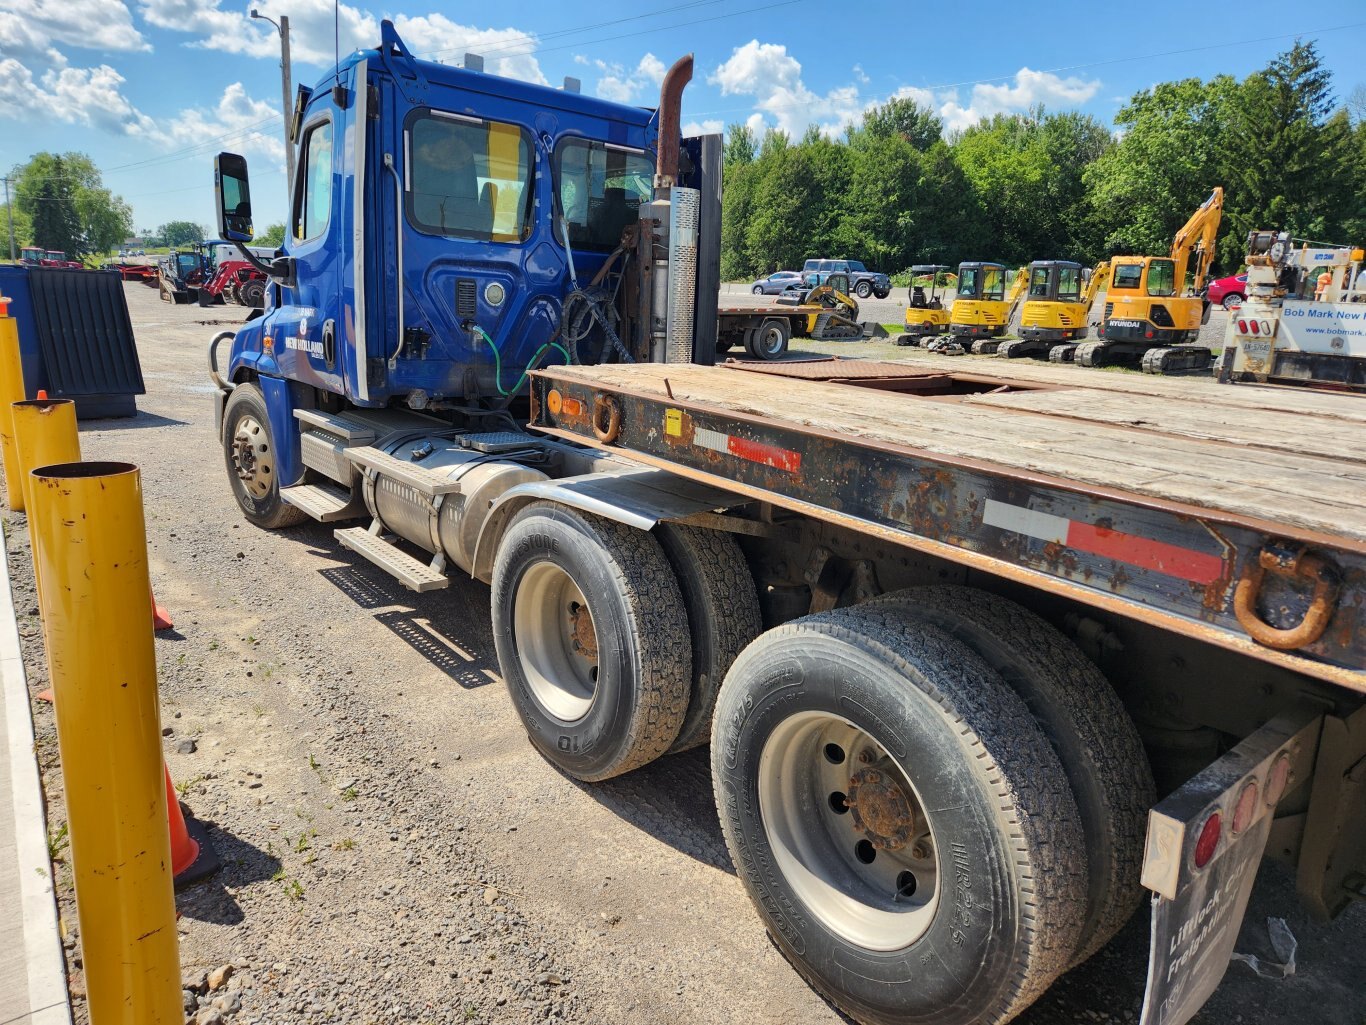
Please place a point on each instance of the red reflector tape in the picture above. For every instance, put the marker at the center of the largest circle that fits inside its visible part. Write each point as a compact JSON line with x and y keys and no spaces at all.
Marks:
{"x":752,"y":451}
{"x":1132,"y":549}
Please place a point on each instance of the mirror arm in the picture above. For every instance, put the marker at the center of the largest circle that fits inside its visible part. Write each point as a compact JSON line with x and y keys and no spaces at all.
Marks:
{"x":281,"y":269}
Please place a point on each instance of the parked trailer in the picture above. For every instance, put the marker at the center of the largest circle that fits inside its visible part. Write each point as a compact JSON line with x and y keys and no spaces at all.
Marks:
{"x":981,"y":657}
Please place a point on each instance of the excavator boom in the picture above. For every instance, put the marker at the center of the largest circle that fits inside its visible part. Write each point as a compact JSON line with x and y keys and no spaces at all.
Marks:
{"x":1196,"y":238}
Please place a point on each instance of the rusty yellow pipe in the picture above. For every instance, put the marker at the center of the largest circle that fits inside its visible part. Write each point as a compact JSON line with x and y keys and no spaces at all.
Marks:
{"x":44,"y":435}
{"x":90,"y":548}
{"x":11,"y":390}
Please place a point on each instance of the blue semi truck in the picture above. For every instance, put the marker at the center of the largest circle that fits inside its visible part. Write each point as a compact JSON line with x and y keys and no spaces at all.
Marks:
{"x":969,"y":699}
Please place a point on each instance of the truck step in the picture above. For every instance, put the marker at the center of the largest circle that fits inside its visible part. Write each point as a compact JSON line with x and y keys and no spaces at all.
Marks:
{"x":412,"y":574}
{"x":326,"y":503}
{"x":423,"y":481}
{"x":347,"y":430}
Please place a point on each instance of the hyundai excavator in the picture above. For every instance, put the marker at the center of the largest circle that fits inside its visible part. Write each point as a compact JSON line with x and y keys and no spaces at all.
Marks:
{"x":1061,"y":294}
{"x":982,"y":310}
{"x":1150,"y":313}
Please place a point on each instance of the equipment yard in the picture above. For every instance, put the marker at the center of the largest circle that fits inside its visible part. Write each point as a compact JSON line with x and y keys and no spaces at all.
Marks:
{"x":394,"y":850}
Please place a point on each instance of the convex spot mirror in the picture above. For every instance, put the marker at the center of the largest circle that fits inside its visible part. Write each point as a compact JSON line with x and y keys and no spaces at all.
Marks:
{"x":234,"y":197}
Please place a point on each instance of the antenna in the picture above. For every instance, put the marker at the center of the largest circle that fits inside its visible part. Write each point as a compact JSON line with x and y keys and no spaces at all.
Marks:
{"x":336,"y":41}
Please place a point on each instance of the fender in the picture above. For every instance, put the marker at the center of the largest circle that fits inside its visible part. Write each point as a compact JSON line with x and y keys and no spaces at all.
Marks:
{"x":639,"y":498}
{"x":282,"y":398}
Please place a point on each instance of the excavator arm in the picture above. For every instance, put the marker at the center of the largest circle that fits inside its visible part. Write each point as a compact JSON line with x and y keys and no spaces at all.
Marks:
{"x":1196,"y":239}
{"x":1099,"y":282}
{"x":1017,"y":291}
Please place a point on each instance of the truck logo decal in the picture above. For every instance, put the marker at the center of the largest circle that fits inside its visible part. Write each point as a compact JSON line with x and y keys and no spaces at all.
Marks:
{"x":1132,"y":549}
{"x":753,"y":451}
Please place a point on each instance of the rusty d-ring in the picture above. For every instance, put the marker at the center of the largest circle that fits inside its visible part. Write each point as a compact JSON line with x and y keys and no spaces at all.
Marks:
{"x":1316,"y":617}
{"x":605,"y":408}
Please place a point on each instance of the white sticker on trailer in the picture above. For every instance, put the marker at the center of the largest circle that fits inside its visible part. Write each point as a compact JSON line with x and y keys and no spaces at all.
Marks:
{"x":1338,"y":329}
{"x":1030,"y":522}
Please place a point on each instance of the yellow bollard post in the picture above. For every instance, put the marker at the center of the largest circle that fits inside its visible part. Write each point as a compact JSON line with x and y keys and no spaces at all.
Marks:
{"x":11,"y":390}
{"x":44,"y":435}
{"x":90,"y":547}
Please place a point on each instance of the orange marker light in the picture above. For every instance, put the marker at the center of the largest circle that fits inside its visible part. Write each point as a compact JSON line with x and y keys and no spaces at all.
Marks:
{"x":573,"y":407}
{"x":553,"y":402}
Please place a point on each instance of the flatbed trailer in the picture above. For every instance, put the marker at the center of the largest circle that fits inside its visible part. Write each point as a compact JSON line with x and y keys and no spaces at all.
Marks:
{"x":981,"y":656}
{"x":763,"y":328}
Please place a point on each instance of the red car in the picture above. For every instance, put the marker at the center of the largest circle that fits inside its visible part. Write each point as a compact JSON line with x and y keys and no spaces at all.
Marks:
{"x":1229,"y":292}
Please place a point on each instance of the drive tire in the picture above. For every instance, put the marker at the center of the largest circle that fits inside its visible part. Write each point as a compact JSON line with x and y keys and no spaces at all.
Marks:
{"x":863,"y":290}
{"x":1004,"y":828}
{"x":723,"y":615}
{"x":553,"y":565}
{"x":1095,"y":739}
{"x":248,"y":446}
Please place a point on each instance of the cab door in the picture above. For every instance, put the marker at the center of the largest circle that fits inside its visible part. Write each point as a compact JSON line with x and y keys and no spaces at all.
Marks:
{"x":303,"y":331}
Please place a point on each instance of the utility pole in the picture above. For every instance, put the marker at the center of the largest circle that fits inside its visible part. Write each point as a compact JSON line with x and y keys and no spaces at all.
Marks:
{"x":287,"y":92}
{"x":9,"y":216}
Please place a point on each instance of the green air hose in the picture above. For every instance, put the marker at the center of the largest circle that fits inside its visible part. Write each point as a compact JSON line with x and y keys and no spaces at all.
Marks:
{"x":498,"y":361}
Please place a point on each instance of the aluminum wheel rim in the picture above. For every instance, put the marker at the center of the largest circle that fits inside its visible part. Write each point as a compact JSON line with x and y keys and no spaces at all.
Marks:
{"x":556,"y":641}
{"x":883,"y":902}
{"x":252,"y":458}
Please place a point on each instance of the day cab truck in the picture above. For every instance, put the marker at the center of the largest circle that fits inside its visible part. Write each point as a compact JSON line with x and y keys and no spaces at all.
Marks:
{"x":982,"y":660}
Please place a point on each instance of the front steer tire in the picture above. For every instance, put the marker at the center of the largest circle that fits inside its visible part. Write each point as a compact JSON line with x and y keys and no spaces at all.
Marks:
{"x":996,"y":916}
{"x":249,"y":453}
{"x":592,"y":640}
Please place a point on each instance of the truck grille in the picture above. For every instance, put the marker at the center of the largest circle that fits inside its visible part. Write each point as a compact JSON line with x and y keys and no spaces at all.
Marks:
{"x":466,"y":297}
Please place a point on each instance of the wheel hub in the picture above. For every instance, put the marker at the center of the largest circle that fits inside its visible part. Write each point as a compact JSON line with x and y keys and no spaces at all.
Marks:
{"x":581,"y":629}
{"x":251,"y":457}
{"x":880,"y":808}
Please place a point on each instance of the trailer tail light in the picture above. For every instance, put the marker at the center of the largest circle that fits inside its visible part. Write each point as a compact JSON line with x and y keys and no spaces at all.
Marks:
{"x":1149,"y":333}
{"x":1246,"y":807}
{"x":1266,"y":327}
{"x":1253,"y":325}
{"x":1208,"y":842}
{"x":1242,"y":327}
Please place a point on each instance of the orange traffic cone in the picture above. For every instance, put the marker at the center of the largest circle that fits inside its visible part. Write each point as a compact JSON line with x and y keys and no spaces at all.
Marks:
{"x":192,"y":857}
{"x":161,"y":619}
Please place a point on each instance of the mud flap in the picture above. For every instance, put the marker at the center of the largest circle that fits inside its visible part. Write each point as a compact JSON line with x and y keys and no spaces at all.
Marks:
{"x":1205,"y":842}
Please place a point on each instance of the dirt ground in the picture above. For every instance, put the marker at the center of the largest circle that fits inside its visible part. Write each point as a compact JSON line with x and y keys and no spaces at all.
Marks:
{"x":394,"y":850}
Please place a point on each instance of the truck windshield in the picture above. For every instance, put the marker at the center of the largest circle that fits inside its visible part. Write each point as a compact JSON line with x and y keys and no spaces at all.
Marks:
{"x":469,"y":178}
{"x":600,"y":188}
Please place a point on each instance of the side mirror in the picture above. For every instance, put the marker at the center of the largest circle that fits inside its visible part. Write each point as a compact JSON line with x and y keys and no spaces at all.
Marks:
{"x":234,"y":197}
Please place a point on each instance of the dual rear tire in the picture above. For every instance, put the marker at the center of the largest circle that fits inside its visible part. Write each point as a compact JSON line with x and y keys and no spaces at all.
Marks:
{"x":934,"y":801}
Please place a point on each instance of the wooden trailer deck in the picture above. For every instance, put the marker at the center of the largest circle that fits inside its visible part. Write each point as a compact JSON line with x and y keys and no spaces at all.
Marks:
{"x":1163,"y":494}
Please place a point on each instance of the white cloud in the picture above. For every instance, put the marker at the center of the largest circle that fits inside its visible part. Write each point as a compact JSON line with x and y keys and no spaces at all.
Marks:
{"x":773,"y":77}
{"x":712,"y":126}
{"x":29,"y":28}
{"x":622,"y":86}
{"x":92,"y":97}
{"x":505,"y":50}
{"x":767,"y":72}
{"x":1030,"y":88}
{"x":315,"y":40}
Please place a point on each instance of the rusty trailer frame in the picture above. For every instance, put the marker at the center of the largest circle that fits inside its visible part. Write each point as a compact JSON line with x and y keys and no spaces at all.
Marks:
{"x":1289,"y":596}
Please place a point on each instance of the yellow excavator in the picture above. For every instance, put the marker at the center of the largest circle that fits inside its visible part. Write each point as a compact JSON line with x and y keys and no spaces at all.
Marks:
{"x":926,"y":316}
{"x":982,"y":310}
{"x":1150,"y":312}
{"x":1061,"y":294}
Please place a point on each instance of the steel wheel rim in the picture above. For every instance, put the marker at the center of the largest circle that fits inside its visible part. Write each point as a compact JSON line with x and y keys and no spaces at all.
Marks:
{"x":883,"y":902}
{"x":556,"y":641}
{"x":771,"y":340}
{"x":252,"y":458}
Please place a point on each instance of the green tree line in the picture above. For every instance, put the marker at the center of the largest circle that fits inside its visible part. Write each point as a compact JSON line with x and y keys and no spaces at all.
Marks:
{"x":58,"y":201}
{"x":895,"y":190}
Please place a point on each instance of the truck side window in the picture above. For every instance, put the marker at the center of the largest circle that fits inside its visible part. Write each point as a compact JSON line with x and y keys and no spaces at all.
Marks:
{"x":600,"y":189}
{"x":469,"y":178}
{"x":313,"y":200}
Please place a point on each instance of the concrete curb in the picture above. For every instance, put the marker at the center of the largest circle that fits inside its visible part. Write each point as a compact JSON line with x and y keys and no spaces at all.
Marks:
{"x":49,"y":1000}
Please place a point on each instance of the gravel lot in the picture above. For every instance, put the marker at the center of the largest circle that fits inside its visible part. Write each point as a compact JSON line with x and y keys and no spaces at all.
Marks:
{"x":394,"y":850}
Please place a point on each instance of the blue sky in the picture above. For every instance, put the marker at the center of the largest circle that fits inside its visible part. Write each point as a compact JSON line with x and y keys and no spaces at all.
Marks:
{"x":150,"y":89}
